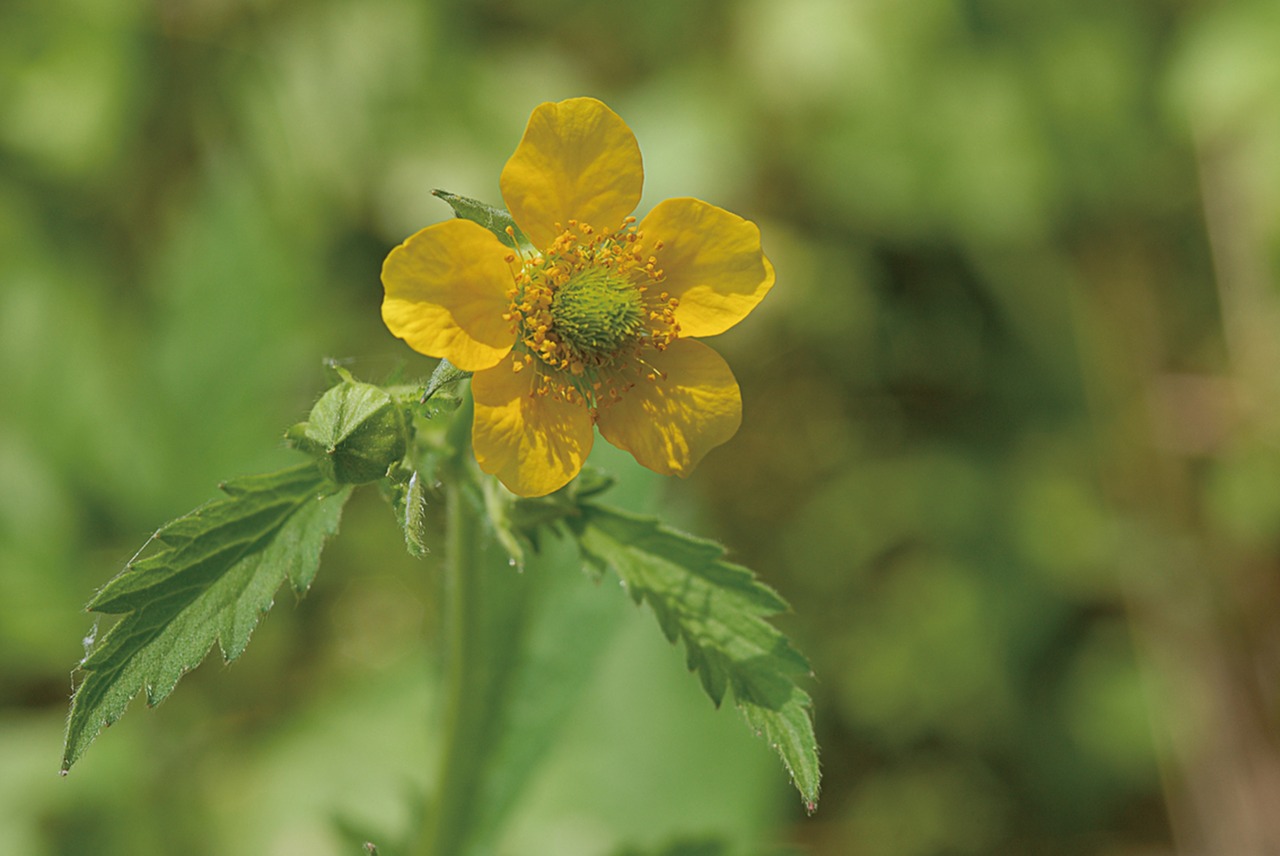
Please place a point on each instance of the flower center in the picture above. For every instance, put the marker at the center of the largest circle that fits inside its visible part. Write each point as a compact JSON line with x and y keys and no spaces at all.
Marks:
{"x":596,"y":312}
{"x":585,"y":312}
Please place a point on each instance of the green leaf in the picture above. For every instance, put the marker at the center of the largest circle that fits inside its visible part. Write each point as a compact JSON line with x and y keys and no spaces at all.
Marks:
{"x":718,"y":609}
{"x":206,"y":577}
{"x":496,"y":220}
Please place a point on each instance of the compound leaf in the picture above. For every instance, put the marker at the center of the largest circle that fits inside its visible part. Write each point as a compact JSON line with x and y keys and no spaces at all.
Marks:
{"x":206,"y":577}
{"x":718,"y":609}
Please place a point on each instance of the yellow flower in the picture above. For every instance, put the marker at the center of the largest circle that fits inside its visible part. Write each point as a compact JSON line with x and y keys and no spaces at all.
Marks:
{"x":592,"y":329}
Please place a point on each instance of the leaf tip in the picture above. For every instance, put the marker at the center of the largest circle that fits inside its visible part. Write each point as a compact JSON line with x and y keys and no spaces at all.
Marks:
{"x":71,"y":752}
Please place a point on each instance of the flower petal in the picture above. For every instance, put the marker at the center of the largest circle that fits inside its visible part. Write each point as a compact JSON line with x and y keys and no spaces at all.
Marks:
{"x":533,"y":444}
{"x":669,"y":424}
{"x":712,"y":261}
{"x":577,"y":161}
{"x":445,"y":290}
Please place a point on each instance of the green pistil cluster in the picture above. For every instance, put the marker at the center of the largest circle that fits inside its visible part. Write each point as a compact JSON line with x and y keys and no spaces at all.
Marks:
{"x":585,"y":309}
{"x":596,"y":313}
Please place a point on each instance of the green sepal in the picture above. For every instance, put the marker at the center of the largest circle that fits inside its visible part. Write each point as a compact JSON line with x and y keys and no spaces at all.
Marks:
{"x":406,"y":492}
{"x":205,"y":578}
{"x":496,"y":220}
{"x":444,"y":379}
{"x":356,"y":432}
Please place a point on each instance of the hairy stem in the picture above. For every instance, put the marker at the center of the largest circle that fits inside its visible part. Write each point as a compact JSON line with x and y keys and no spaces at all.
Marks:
{"x":447,"y":825}
{"x":485,"y":605}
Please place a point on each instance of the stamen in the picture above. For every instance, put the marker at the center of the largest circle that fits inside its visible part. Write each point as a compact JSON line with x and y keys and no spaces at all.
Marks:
{"x":584,"y":314}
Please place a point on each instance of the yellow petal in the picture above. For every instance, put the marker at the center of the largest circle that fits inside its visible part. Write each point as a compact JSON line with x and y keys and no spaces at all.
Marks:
{"x":670,"y":424}
{"x":577,"y":161}
{"x":445,"y":290}
{"x":713,"y":263}
{"x":534,"y":445}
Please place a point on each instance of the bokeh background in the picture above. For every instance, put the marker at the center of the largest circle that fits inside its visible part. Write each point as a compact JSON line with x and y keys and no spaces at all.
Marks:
{"x":1012,"y":434}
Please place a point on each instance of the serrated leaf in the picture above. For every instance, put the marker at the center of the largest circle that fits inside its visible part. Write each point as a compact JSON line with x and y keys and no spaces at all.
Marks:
{"x":206,"y":577}
{"x":718,"y":610}
{"x":496,"y":220}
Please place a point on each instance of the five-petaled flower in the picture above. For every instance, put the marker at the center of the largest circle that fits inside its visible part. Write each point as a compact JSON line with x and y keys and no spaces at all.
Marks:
{"x":592,"y":327}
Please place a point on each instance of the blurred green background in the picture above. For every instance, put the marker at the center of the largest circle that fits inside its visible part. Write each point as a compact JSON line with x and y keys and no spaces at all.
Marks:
{"x":1011,"y":445}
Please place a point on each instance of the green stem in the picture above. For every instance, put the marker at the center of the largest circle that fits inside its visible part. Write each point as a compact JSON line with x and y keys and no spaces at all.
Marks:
{"x":484,"y":615}
{"x":448,"y":822}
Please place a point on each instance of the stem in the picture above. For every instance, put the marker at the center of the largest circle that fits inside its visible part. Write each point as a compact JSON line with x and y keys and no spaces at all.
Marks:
{"x":447,"y":824}
{"x":485,"y":605}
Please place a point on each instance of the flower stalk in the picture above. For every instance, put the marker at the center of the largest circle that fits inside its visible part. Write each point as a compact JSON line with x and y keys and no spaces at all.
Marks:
{"x":485,"y":609}
{"x":446,"y":824}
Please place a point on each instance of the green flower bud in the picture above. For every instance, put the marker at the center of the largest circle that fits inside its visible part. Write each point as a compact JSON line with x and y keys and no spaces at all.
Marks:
{"x":356,"y":433}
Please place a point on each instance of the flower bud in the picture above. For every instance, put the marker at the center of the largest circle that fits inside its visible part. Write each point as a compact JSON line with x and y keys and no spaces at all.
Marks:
{"x":356,"y":433}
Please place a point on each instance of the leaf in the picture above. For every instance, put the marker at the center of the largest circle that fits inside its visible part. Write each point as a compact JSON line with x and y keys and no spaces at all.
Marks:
{"x":496,"y":220}
{"x":718,"y":609}
{"x":207,"y":577}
